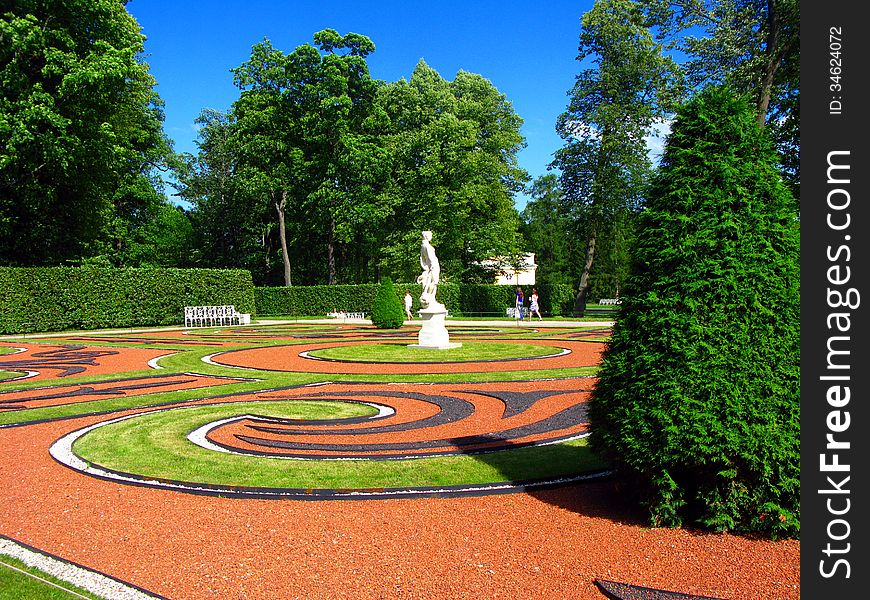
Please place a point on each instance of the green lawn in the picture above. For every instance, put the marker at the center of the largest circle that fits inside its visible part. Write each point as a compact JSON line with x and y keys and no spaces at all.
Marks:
{"x":403,"y":353}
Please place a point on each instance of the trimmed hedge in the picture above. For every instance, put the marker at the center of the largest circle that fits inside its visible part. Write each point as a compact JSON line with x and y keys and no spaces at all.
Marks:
{"x":460,"y":299}
{"x":60,"y":298}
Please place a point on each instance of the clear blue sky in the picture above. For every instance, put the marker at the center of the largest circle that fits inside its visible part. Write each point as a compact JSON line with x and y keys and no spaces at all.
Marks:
{"x":526,"y":49}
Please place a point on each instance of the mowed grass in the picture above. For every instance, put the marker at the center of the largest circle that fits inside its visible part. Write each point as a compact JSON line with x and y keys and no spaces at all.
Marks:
{"x":15,"y":585}
{"x":403,"y":353}
{"x":156,"y":445}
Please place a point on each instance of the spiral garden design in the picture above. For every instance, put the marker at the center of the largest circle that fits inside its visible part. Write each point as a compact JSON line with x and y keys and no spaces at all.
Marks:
{"x":271,"y":413}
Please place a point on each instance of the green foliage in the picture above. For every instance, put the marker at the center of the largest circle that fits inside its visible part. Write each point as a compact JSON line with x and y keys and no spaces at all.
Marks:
{"x":604,"y":164}
{"x":460,"y":299}
{"x":354,"y":168}
{"x":387,"y":309}
{"x":750,"y":45}
{"x":297,"y":164}
{"x":453,"y":147}
{"x":80,"y":131}
{"x":58,"y":298}
{"x":299,"y":300}
{"x":697,"y":403}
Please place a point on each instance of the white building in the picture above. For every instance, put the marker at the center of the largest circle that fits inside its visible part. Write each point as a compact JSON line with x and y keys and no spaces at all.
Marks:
{"x":506,"y":274}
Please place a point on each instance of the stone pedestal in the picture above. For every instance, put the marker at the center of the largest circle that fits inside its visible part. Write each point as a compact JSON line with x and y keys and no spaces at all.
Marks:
{"x":433,"y":333}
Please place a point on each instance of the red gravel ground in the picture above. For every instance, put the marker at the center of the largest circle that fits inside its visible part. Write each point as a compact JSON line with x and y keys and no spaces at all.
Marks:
{"x":546,"y":544}
{"x":137,"y":386}
{"x":54,"y":360}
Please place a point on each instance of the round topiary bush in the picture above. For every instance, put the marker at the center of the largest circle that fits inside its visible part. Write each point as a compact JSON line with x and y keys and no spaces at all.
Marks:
{"x":387,"y":310}
{"x":697,"y":403}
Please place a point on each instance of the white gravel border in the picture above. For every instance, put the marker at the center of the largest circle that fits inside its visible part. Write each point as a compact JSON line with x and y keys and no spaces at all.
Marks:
{"x":86,"y":579}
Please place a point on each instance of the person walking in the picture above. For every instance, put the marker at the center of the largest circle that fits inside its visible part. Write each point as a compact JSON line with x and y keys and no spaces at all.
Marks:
{"x":408,"y":302}
{"x":534,"y":308}
{"x":518,"y":306}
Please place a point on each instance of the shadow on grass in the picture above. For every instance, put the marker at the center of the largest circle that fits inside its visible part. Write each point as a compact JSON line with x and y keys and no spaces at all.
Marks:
{"x":600,"y":496}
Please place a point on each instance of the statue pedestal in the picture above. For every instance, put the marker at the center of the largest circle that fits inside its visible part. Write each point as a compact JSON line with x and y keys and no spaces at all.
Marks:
{"x":433,"y":334}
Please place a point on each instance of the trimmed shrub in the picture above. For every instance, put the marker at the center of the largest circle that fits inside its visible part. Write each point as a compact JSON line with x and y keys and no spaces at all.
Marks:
{"x":698,"y":400}
{"x":387,"y":310}
{"x":59,"y":298}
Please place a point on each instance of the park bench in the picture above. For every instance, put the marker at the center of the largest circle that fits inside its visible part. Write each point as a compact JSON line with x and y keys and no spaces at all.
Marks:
{"x":210,"y":316}
{"x":610,"y":301}
{"x":346,"y":315}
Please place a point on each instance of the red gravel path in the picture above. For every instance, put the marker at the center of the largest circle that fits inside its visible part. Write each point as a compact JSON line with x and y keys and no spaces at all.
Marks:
{"x":549,"y":544}
{"x":55,"y":360}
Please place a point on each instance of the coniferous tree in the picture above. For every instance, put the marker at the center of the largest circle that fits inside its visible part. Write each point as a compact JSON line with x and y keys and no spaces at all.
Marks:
{"x":387,"y":311}
{"x":697,"y":403}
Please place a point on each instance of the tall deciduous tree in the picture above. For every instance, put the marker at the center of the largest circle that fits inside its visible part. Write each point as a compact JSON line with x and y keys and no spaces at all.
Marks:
{"x":80,"y":130}
{"x":752,"y":46}
{"x":604,"y":163}
{"x":228,"y":232}
{"x":455,"y":170}
{"x":306,"y":128}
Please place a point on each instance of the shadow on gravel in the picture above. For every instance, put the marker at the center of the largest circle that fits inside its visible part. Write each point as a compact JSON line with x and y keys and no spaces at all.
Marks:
{"x":599,"y":497}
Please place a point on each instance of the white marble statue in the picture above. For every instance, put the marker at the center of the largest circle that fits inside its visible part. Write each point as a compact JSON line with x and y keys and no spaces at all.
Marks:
{"x":433,"y":331}
{"x":431,"y":272}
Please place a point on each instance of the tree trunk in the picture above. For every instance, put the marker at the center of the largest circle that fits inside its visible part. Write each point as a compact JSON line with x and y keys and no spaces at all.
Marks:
{"x":774,"y":56}
{"x":583,"y":288}
{"x":330,"y":250}
{"x":280,"y":206}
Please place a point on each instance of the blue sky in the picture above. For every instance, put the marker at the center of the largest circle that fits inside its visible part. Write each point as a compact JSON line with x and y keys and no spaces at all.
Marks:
{"x":526,"y":49}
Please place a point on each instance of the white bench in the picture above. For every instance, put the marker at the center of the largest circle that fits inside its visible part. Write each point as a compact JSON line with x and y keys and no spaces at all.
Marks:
{"x":347,"y":315}
{"x":610,"y":301}
{"x":512,"y":312}
{"x":211,"y":316}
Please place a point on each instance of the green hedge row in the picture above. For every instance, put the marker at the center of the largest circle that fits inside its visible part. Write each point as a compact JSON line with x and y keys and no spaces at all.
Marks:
{"x":460,"y":299}
{"x":60,"y":298}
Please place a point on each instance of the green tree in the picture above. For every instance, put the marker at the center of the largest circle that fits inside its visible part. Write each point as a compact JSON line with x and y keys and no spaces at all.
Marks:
{"x":164,"y":240}
{"x":605,"y":164}
{"x":306,"y":133}
{"x":698,"y":399}
{"x":387,"y":310}
{"x":80,"y":131}
{"x":752,"y":46}
{"x":547,"y":231}
{"x":226,"y":232}
{"x":454,"y":152}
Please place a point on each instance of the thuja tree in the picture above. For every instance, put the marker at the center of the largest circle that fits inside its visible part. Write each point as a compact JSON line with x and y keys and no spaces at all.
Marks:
{"x":697,"y":403}
{"x":387,"y":311}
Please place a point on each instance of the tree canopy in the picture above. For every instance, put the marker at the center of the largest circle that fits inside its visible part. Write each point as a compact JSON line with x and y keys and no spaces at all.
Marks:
{"x":320,"y":163}
{"x":454,"y":152}
{"x":80,"y":132}
{"x":751,"y":45}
